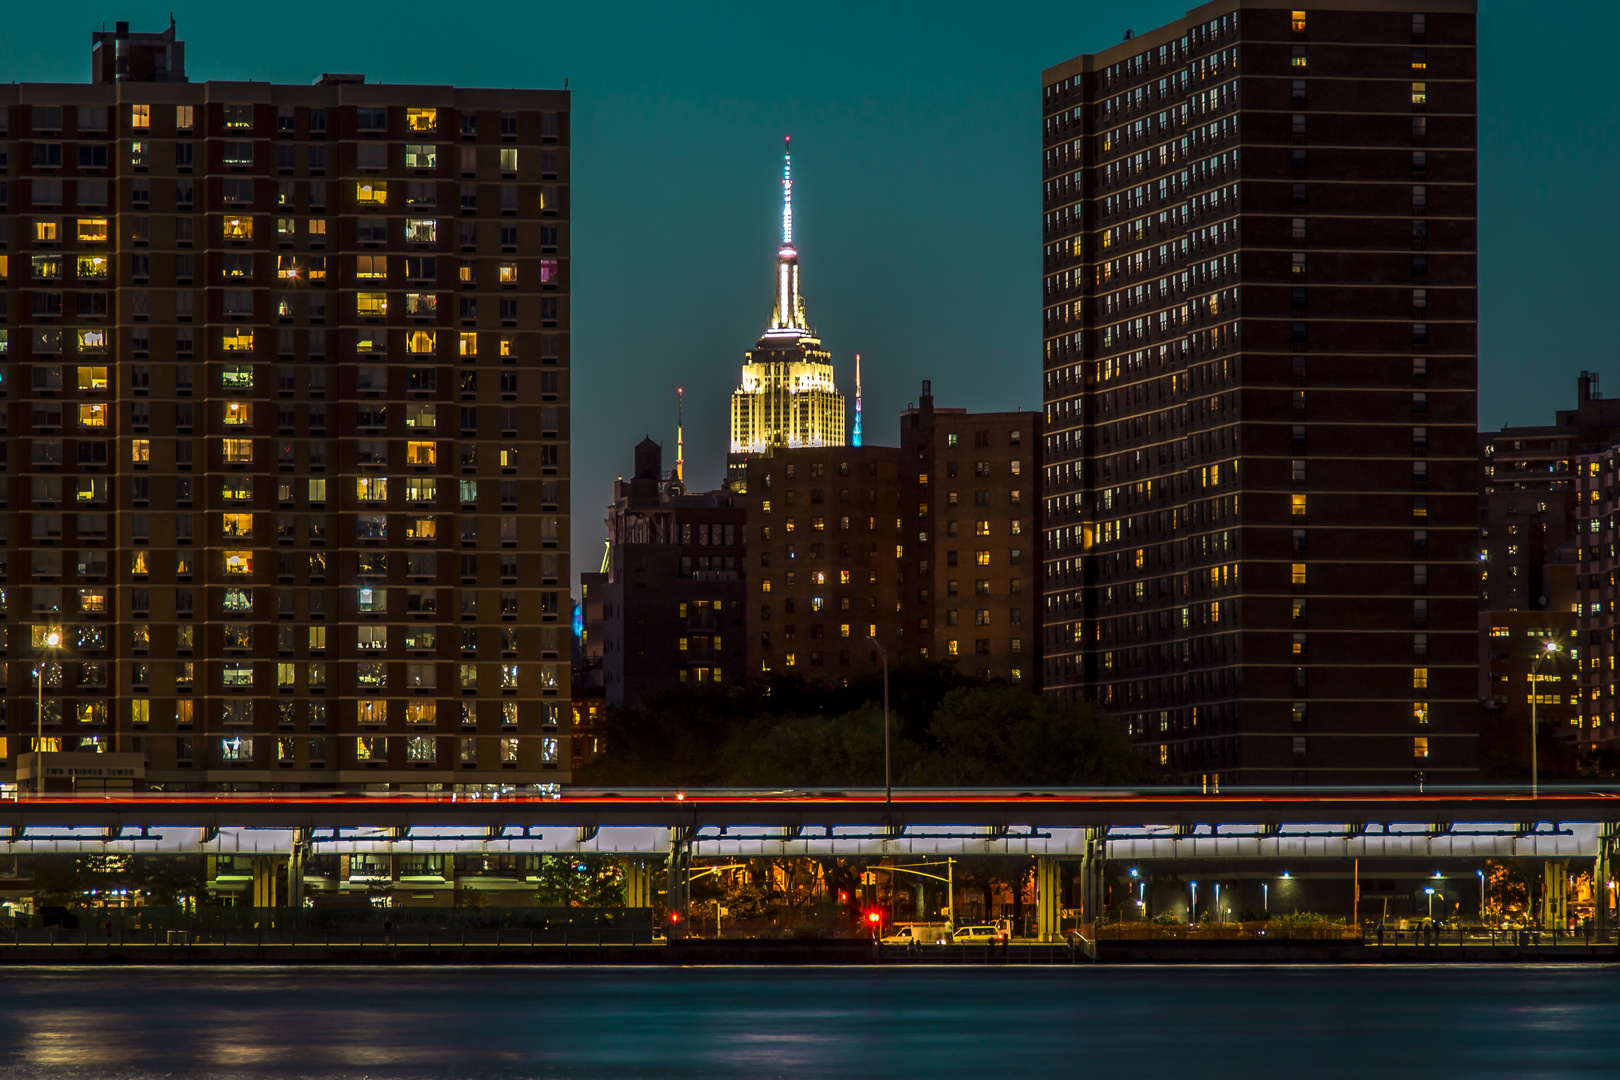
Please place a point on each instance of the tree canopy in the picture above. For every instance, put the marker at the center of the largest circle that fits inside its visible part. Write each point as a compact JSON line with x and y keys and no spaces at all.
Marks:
{"x":946,"y":731}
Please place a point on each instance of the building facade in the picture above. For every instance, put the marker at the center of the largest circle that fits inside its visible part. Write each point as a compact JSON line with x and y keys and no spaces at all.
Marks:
{"x":787,"y":396}
{"x":972,"y":480}
{"x":829,"y":561}
{"x":672,"y":603}
{"x":1597,"y":530}
{"x":288,"y":385}
{"x":1259,"y":484}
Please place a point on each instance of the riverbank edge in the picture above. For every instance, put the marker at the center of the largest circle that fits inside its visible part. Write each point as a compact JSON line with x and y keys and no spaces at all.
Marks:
{"x":788,"y":953}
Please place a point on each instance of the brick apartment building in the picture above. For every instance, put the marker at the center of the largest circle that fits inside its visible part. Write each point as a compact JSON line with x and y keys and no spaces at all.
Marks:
{"x":286,"y":424}
{"x":1260,"y":470}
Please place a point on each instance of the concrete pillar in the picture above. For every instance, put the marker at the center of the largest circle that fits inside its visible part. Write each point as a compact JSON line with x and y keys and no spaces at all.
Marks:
{"x":677,"y":885}
{"x":295,"y":869}
{"x":1555,"y":894}
{"x":1601,"y":870}
{"x":264,"y":880}
{"x":1048,"y":899}
{"x":637,"y":884}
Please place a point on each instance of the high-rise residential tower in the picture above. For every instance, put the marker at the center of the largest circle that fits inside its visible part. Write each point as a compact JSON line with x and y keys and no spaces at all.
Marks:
{"x":288,"y":373}
{"x":787,"y":397}
{"x":1259,"y":323}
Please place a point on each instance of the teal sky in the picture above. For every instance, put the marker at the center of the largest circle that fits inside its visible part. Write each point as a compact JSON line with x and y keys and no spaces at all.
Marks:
{"x":916,"y":133}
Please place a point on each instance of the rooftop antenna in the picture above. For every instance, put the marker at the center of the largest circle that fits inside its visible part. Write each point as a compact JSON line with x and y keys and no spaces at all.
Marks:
{"x":855,"y":437}
{"x":680,"y":435}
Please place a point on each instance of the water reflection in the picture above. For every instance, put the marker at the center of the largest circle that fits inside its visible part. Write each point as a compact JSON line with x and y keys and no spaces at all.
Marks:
{"x":651,"y":1023}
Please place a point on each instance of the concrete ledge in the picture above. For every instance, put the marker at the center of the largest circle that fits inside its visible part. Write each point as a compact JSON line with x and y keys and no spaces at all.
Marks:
{"x":677,"y":953}
{"x":1343,"y":952}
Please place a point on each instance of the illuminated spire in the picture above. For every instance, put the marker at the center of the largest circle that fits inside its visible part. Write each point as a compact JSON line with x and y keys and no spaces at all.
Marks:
{"x":680,"y":444}
{"x":788,"y":318}
{"x":855,"y":436}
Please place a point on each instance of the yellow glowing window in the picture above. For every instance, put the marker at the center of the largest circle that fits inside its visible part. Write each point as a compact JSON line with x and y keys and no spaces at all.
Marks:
{"x":140,"y":117}
{"x":509,"y":159}
{"x":506,"y":345}
{"x":371,"y":266}
{"x":420,"y":341}
{"x":1297,"y":22}
{"x":139,"y":562}
{"x":981,"y":528}
{"x":1420,"y":678}
{"x":951,"y":648}
{"x":236,"y":376}
{"x":239,"y":562}
{"x":371,"y":192}
{"x":422,"y":528}
{"x":1420,"y":746}
{"x":238,"y":413}
{"x":93,"y":340}
{"x":236,"y":524}
{"x":508,"y":273}
{"x":982,"y":558}
{"x":371,"y":711}
{"x":91,"y":712}
{"x":469,"y":343}
{"x":371,"y":303}
{"x":1298,"y":573}
{"x":421,"y":119}
{"x":843,"y":577}
{"x":92,"y":378}
{"x":316,"y":269}
{"x":371,"y":488}
{"x":236,"y":488}
{"x":238,"y":451}
{"x":1420,"y":93}
{"x":140,"y":451}
{"x":1420,"y":711}
{"x":90,"y":266}
{"x":421,"y":453}
{"x":92,"y":230}
{"x":237,"y":228}
{"x":1298,"y":504}
{"x":422,"y":712}
{"x":509,"y":457}
{"x":47,"y":229}
{"x":93,"y":415}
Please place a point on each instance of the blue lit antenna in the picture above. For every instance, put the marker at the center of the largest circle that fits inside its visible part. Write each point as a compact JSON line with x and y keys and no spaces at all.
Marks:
{"x":855,"y":436}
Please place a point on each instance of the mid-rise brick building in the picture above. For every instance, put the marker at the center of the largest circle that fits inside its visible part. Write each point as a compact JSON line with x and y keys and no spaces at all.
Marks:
{"x":287,"y":373}
{"x":1259,"y":487}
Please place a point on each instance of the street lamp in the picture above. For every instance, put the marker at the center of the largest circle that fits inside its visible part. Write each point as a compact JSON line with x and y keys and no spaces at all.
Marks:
{"x":53,"y":638}
{"x":888,"y":791}
{"x":1192,"y":916}
{"x":1431,"y":903}
{"x":1481,"y":874}
{"x":1549,"y":648}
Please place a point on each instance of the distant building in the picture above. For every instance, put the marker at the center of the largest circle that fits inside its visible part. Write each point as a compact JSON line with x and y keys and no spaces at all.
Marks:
{"x":1597,"y":603}
{"x":672,"y":604}
{"x":787,"y":397}
{"x":830,"y":558}
{"x":1259,"y":317}
{"x":973,"y":480}
{"x":931,"y":547}
{"x":1527,"y":495}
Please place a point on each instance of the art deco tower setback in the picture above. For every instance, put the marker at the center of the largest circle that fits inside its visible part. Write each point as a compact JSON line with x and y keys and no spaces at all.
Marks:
{"x":288,"y":441}
{"x":787,"y":397}
{"x":1260,"y":333}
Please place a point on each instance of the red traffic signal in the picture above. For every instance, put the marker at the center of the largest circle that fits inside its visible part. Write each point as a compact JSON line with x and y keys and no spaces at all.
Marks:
{"x":674,"y":916}
{"x":873,"y":917}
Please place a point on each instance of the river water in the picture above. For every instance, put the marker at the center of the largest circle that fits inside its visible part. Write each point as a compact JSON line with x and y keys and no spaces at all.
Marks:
{"x":983,"y":1023}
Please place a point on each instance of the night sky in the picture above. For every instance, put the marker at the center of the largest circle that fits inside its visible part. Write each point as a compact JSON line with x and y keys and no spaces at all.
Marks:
{"x":917,"y":184}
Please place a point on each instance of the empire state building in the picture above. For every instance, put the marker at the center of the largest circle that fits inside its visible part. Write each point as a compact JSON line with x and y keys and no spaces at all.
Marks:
{"x":787,"y":396}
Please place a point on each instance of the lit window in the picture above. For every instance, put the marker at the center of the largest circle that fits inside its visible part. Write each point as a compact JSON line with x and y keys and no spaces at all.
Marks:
{"x":509,"y":159}
{"x":1297,"y":22}
{"x":371,"y":192}
{"x":1298,"y":573}
{"x":237,"y":451}
{"x":89,"y":267}
{"x":374,"y":304}
{"x":421,"y":453}
{"x":237,"y":228}
{"x":92,"y":378}
{"x":421,"y":231}
{"x":371,"y":266}
{"x":423,"y":120}
{"x":238,"y":562}
{"x":1420,"y":746}
{"x":1298,"y":57}
{"x":140,"y":117}
{"x":421,"y":156}
{"x":91,"y":230}
{"x":371,"y":488}
{"x":1420,"y":678}
{"x":236,"y":525}
{"x":236,"y":376}
{"x":1420,"y":712}
{"x":420,"y":341}
{"x":469,"y":343}
{"x":238,"y":413}
{"x":93,"y":415}
{"x":1420,"y":93}
{"x":508,"y":273}
{"x":1298,"y":504}
{"x":46,"y":229}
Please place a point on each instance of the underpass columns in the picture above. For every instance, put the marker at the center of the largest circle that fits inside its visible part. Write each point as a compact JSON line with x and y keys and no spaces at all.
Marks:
{"x":1554,"y":894}
{"x":1091,"y":883}
{"x":264,"y":881}
{"x":678,"y":881}
{"x":637,"y":884}
{"x":295,"y":869}
{"x":1048,"y":899}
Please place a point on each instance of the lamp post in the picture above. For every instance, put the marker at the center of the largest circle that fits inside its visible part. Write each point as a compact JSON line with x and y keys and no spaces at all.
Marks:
{"x":53,"y":638}
{"x":1549,"y":648}
{"x":888,"y":790}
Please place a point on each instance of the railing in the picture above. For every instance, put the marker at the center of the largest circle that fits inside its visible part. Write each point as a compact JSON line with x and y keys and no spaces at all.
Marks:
{"x":354,"y":937}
